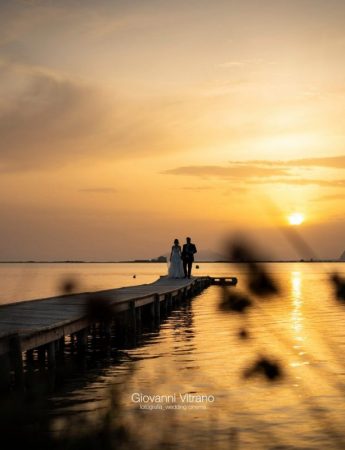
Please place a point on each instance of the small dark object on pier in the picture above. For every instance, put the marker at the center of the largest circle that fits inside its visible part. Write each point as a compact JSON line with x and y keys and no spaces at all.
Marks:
{"x":197,"y":266}
{"x":134,"y":276}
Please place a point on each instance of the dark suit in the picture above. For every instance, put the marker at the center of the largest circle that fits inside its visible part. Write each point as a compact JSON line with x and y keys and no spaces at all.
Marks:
{"x":187,"y":256}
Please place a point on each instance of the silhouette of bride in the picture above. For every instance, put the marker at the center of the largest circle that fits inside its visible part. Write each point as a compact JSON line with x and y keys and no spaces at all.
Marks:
{"x":176,"y":265}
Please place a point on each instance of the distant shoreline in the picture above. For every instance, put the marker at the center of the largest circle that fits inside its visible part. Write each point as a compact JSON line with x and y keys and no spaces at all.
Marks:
{"x":164,"y":262}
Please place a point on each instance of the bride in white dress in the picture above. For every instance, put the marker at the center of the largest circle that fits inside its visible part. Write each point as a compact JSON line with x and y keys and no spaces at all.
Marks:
{"x":176,"y":265}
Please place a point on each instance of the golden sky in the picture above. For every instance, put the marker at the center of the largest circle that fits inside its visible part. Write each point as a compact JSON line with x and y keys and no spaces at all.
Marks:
{"x":125,"y":124}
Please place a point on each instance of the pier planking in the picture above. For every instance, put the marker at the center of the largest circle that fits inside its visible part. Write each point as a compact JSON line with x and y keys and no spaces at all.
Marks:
{"x":42,"y":323}
{"x":37,"y":324}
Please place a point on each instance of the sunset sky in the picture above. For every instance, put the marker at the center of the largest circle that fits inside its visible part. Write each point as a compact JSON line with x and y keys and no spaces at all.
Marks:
{"x":125,"y":124}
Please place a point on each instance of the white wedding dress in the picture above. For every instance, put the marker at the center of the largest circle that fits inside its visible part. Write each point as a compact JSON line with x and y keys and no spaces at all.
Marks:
{"x":176,"y":266}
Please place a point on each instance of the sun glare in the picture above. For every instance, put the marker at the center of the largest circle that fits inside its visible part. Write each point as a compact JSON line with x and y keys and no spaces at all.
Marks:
{"x":296,"y":218}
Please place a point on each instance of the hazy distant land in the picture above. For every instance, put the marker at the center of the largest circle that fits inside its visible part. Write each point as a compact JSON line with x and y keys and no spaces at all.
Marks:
{"x":154,"y":261}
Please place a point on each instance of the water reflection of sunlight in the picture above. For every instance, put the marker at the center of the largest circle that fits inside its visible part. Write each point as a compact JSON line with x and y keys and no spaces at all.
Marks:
{"x":297,"y":318}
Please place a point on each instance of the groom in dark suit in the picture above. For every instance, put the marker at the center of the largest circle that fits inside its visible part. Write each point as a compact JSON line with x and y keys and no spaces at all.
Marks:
{"x":187,"y":256}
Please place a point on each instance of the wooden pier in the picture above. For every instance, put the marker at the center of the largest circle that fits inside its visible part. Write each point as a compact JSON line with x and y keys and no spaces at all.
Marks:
{"x":38,"y":330}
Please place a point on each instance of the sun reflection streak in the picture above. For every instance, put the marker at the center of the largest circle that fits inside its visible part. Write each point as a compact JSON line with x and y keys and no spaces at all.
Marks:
{"x":297,"y":319}
{"x":296,"y":315}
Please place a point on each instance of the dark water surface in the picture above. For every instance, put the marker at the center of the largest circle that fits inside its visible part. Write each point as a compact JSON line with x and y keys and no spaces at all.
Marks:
{"x":198,"y":351}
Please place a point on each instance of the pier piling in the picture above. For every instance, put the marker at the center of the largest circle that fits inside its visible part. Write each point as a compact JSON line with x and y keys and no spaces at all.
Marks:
{"x":16,"y":359}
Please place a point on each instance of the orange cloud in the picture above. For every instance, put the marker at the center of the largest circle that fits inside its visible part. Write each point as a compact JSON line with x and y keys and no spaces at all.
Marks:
{"x":232,"y":171}
{"x":267,"y":171}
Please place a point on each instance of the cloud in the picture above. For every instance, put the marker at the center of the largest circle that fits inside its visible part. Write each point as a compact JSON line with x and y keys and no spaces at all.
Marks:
{"x":251,"y":175}
{"x":231,"y":64}
{"x":20,"y":18}
{"x":241,"y":63}
{"x":195,"y":189}
{"x":301,"y":182}
{"x":231,"y":171}
{"x":327,"y":198}
{"x":99,"y":190}
{"x":48,"y":119}
{"x":337,"y":162}
{"x":267,"y":171}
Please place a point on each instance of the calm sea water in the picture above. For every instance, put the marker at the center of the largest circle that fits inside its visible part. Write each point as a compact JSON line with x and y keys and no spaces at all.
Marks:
{"x":32,"y":281}
{"x":198,"y":351}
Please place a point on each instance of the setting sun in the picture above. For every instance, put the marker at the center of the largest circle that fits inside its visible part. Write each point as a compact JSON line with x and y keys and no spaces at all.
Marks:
{"x":296,"y":218}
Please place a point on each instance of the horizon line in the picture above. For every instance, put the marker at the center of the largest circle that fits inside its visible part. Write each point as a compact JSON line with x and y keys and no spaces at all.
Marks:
{"x":148,"y":261}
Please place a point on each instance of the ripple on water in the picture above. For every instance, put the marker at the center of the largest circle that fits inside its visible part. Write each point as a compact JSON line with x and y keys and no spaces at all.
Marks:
{"x":198,"y":350}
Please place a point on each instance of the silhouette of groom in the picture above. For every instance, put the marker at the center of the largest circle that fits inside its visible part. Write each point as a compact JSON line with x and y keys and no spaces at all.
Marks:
{"x":187,"y":256}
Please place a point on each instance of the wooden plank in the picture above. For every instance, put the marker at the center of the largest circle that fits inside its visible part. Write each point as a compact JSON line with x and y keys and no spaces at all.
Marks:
{"x":39,"y":322}
{"x":144,"y":301}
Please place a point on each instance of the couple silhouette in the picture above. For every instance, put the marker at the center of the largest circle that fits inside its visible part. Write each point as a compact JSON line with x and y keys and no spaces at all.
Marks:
{"x":181,"y":260}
